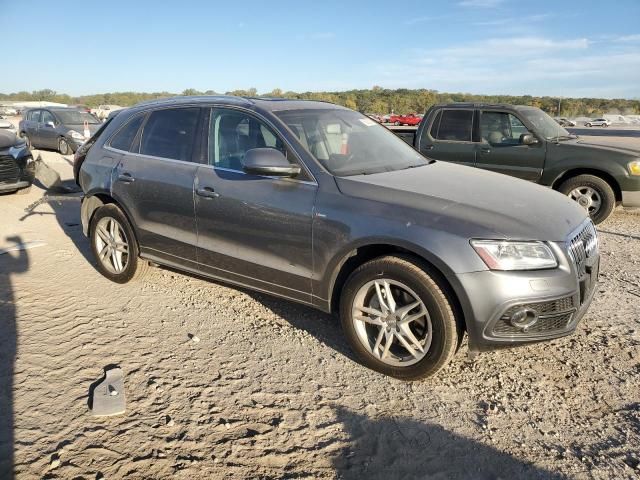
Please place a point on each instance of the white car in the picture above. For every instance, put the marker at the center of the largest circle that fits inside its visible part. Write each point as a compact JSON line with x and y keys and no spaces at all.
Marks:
{"x":598,"y":122}
{"x":7,"y":125}
{"x":8,"y":111}
{"x":103,"y":111}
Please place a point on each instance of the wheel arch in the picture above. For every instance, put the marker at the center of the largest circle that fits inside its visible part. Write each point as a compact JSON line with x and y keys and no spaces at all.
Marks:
{"x":437,"y":268}
{"x":92,"y":202}
{"x":607,"y":177}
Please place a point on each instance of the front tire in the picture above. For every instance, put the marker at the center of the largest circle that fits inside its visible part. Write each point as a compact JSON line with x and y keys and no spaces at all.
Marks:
{"x":63,"y":147}
{"x":592,"y":193}
{"x":26,"y":138}
{"x":398,"y":319}
{"x":114,"y":245}
{"x":587,"y":125}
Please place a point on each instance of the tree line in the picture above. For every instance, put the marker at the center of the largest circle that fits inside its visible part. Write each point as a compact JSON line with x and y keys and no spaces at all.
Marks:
{"x":375,"y":100}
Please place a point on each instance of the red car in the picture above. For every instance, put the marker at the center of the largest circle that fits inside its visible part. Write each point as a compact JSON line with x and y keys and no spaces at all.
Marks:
{"x":410,"y":119}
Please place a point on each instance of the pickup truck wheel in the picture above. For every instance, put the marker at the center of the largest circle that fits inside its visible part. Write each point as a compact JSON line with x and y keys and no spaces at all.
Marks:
{"x":397,"y":318}
{"x":114,"y":245}
{"x":592,"y":193}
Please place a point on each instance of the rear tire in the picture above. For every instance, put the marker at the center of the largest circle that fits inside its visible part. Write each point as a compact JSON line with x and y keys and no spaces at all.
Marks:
{"x":114,"y":246}
{"x":379,"y":340}
{"x":589,"y":188}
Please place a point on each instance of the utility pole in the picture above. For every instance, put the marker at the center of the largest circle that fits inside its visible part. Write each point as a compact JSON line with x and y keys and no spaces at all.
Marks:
{"x":559,"y":104}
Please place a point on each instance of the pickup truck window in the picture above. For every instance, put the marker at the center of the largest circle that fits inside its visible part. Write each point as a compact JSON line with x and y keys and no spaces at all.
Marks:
{"x":455,"y":125}
{"x":501,"y":128}
{"x":348,"y":143}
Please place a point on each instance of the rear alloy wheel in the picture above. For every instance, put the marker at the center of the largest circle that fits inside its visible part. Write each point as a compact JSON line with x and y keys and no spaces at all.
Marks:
{"x":63,"y":147}
{"x":397,"y":318}
{"x":114,"y":245}
{"x":593,"y":194}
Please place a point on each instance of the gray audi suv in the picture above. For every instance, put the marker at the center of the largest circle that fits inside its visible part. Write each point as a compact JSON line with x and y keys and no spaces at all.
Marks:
{"x":321,"y":205}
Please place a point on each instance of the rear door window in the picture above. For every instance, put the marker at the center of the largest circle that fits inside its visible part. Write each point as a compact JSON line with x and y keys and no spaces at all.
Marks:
{"x":170,"y":133}
{"x":47,"y":117}
{"x":124,"y":138}
{"x":34,"y":116}
{"x":455,"y":125}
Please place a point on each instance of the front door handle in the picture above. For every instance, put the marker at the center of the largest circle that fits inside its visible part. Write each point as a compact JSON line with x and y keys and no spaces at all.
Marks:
{"x":485,"y":150}
{"x":207,"y":192}
{"x":126,"y":178}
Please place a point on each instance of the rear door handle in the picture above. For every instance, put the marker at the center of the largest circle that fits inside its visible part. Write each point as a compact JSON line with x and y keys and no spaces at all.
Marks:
{"x":485,"y":150}
{"x":126,"y":178}
{"x":207,"y":192}
{"x":427,"y":147}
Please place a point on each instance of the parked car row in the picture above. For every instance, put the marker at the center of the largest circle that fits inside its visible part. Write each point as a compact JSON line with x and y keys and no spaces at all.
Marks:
{"x":59,"y":128}
{"x":321,"y":205}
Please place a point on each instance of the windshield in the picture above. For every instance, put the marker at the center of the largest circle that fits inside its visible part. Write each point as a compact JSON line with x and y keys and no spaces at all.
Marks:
{"x":349,"y":143}
{"x":75,"y":117}
{"x":544,"y":124}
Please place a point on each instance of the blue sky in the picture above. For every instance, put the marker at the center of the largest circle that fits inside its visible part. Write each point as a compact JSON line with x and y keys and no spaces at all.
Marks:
{"x":546,"y":47}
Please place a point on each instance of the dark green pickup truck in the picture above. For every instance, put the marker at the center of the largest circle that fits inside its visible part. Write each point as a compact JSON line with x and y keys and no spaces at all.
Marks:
{"x":527,"y":143}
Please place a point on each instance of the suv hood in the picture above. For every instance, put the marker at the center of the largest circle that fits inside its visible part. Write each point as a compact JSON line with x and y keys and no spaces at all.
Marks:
{"x":471,"y":202}
{"x":590,"y":144}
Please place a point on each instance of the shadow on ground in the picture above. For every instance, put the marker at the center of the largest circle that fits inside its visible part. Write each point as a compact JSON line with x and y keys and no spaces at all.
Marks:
{"x":10,"y":263}
{"x":396,"y":447}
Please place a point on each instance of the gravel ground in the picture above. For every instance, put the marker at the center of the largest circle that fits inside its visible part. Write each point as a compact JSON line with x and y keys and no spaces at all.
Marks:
{"x":226,"y":383}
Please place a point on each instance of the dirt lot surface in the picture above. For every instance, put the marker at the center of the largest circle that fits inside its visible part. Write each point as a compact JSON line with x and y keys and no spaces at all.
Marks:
{"x":269,"y":389}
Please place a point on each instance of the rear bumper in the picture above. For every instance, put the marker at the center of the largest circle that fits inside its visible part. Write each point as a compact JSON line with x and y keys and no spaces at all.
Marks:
{"x":559,"y":296}
{"x":630,"y":198}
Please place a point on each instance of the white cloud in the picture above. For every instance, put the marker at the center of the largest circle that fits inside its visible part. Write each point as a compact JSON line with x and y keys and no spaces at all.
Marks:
{"x":519,"y":65}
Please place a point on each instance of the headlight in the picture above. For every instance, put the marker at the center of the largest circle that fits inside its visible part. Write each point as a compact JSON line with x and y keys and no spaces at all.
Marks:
{"x":75,"y":135}
{"x":634,"y":167}
{"x":508,"y":255}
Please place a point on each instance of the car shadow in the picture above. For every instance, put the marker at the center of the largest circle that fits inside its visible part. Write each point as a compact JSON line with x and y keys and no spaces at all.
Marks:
{"x":11,"y":263}
{"x":397,"y":447}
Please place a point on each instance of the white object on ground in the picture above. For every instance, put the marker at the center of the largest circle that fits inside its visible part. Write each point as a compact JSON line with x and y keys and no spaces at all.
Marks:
{"x":108,"y":396}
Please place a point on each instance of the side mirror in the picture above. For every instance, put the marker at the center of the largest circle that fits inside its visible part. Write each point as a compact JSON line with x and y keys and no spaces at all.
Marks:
{"x":50,"y":124}
{"x":528,"y":139}
{"x":268,"y":162}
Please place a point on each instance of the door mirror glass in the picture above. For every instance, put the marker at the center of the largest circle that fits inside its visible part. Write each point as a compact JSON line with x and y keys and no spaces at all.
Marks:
{"x":528,"y":139}
{"x":268,"y":162}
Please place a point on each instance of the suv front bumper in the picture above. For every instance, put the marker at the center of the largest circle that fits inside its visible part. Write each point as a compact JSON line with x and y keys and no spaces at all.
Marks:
{"x":560,"y":297}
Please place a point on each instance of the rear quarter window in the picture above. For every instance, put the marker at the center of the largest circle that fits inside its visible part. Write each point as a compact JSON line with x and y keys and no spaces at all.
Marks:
{"x":124,"y":138}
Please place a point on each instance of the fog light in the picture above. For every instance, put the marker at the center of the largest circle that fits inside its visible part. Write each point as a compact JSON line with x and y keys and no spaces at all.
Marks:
{"x":524,"y":318}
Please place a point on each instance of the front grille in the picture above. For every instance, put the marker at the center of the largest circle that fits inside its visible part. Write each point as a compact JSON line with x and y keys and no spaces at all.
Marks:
{"x":582,"y":246}
{"x":553,"y":315}
{"x":9,"y":170}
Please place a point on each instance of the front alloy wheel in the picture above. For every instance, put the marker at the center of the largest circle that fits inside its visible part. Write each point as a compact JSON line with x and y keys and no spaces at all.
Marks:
{"x":63,"y":147}
{"x":392,"y":322}
{"x":398,"y":318}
